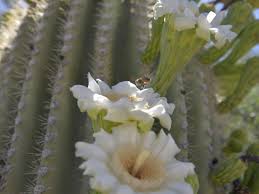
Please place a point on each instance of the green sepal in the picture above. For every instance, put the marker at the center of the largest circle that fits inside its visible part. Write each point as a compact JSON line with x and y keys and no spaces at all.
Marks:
{"x":98,"y":122}
{"x":205,"y":7}
{"x":236,"y":142}
{"x":153,"y":47}
{"x":172,"y":61}
{"x":193,"y":180}
{"x":228,"y":171}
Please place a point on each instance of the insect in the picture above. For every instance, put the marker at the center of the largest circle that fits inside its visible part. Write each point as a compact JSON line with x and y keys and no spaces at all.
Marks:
{"x":143,"y":82}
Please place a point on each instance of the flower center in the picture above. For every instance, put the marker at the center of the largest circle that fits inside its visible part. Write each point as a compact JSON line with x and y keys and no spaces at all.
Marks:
{"x":115,"y":97}
{"x":138,"y":168}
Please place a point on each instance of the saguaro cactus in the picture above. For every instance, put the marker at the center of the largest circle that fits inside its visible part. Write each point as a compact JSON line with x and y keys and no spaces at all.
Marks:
{"x":52,"y":45}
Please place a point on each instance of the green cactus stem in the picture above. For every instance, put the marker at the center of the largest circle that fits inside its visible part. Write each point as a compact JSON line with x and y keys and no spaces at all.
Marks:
{"x":173,"y":44}
{"x":249,"y":78}
{"x":238,"y":22}
{"x":11,"y":72}
{"x":199,"y":124}
{"x":139,"y":19}
{"x":106,"y":27}
{"x":176,"y":94}
{"x":58,"y":148}
{"x":247,"y":39}
{"x":33,"y":94}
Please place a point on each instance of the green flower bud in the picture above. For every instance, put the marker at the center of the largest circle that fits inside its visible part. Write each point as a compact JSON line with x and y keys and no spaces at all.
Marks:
{"x":228,"y":171}
{"x":251,"y":177}
{"x":193,"y":180}
{"x":249,"y":78}
{"x":236,"y":142}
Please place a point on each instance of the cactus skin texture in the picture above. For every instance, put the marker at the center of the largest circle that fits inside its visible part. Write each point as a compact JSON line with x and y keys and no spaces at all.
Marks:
{"x":55,"y":43}
{"x":176,"y":94}
{"x":199,"y":124}
{"x":30,"y":103}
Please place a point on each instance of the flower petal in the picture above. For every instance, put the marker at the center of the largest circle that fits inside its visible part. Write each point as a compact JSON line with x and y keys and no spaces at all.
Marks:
{"x":169,"y":151}
{"x":105,"y":141}
{"x":177,"y":171}
{"x":92,"y":85}
{"x":159,"y":143}
{"x":86,"y":150}
{"x":181,"y":188}
{"x":203,"y":30}
{"x":81,"y":92}
{"x":124,"y":189}
{"x":125,"y":88}
{"x":103,"y":182}
{"x":184,"y":23}
{"x":148,"y":139}
{"x":126,"y":134}
{"x":94,"y":167}
{"x":105,"y":89}
{"x":159,"y":112}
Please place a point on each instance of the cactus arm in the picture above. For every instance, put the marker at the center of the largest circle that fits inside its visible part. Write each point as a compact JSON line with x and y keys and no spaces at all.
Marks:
{"x":106,"y":27}
{"x":238,"y":21}
{"x":248,"y":38}
{"x":199,"y":135}
{"x":57,"y":155}
{"x":179,"y":119}
{"x":248,"y":79}
{"x":30,"y":102}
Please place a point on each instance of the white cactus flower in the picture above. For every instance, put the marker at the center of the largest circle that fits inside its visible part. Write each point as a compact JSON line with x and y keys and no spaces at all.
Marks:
{"x":130,"y":162}
{"x":123,"y":103}
{"x":187,"y":16}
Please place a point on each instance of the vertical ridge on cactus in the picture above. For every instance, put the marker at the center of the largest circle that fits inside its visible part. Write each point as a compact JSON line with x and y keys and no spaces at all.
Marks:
{"x":32,"y":96}
{"x":57,"y":154}
{"x":200,"y":134}
{"x":141,"y":14}
{"x":12,"y":72}
{"x":176,"y":94}
{"x":106,"y":27}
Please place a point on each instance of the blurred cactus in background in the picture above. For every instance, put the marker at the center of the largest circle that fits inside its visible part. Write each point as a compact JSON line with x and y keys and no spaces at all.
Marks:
{"x":51,"y":45}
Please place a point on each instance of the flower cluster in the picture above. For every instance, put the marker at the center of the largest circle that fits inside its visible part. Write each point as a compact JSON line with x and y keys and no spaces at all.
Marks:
{"x":187,"y":16}
{"x":123,"y":103}
{"x":126,"y":159}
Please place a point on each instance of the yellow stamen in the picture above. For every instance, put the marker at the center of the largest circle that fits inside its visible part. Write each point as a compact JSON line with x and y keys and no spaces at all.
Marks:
{"x":142,"y":157}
